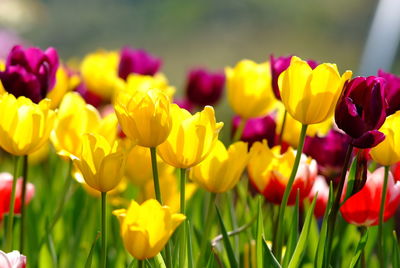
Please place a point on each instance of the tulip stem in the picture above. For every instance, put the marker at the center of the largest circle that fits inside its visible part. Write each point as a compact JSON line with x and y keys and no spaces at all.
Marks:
{"x":103,"y":230}
{"x":335,"y":207}
{"x":23,"y":196}
{"x":10,"y":221}
{"x":277,"y":245}
{"x":209,"y":219}
{"x":182,"y":244}
{"x":282,"y":128}
{"x":140,"y":263}
{"x":239,"y":130}
{"x":381,"y":218}
{"x":155,"y":174}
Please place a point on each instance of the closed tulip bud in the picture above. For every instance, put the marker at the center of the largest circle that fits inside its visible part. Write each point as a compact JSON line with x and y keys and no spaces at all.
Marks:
{"x":101,"y":163}
{"x":204,"y":88}
{"x":249,"y":89}
{"x":361,"y":111}
{"x":387,"y":152}
{"x":13,"y":259}
{"x":24,"y":125}
{"x":363,"y":207}
{"x":192,"y":137}
{"x":100,"y":73}
{"x":222,"y":168}
{"x":138,"y":166}
{"x":280,"y":64}
{"x":144,"y":116}
{"x":256,"y":129}
{"x":145,"y":83}
{"x":138,"y":62}
{"x":6,"y":182}
{"x":310,"y":95}
{"x":392,"y":91}
{"x":269,"y":172}
{"x":75,"y":118}
{"x":146,"y":228}
{"x":30,"y":73}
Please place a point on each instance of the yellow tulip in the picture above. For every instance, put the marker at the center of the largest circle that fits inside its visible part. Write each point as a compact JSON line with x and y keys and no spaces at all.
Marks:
{"x":64,"y":83}
{"x":144,"y":116}
{"x":249,"y":89}
{"x":222,"y":168}
{"x":76,"y":118}
{"x":310,"y":96}
{"x":24,"y":126}
{"x":146,"y":228}
{"x":387,"y":152}
{"x":101,"y":163}
{"x":169,"y":190}
{"x":138,"y":166}
{"x":100,"y":73}
{"x":191,"y":139}
{"x":144,"y":83}
{"x":292,"y":129}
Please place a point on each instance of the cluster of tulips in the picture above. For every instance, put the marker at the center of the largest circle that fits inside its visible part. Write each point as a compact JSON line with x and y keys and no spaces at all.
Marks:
{"x":307,"y":144}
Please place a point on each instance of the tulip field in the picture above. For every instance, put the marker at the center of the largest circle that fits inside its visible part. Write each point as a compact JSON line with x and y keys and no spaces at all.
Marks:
{"x":103,"y":165}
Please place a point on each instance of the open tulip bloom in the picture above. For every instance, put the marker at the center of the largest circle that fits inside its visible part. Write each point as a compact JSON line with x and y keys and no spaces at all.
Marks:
{"x":307,"y":175}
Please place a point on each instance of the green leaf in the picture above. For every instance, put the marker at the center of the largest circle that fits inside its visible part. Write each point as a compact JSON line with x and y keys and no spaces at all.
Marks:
{"x":319,"y":256}
{"x":269,"y":258}
{"x":88,"y":263}
{"x":351,"y":179}
{"x":294,"y":233}
{"x":227,"y":243}
{"x":396,"y":252}
{"x":302,"y":243}
{"x":189,"y":243}
{"x":210,"y":263}
{"x":360,"y":248}
{"x":260,"y":234}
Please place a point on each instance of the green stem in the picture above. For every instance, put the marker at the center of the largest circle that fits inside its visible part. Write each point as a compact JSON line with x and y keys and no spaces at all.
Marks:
{"x":9,"y":230}
{"x":155,"y":174}
{"x":239,"y":130}
{"x":140,"y":263}
{"x":277,"y":245}
{"x":335,"y":207}
{"x":23,"y":196}
{"x":103,"y":230}
{"x":381,"y":218}
{"x":182,"y":242}
{"x":282,"y":128}
{"x":205,"y":238}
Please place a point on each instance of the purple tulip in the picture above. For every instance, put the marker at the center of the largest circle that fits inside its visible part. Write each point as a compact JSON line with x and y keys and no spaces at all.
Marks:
{"x":361,"y":111}
{"x":257,"y":129}
{"x":278,"y":66}
{"x":185,"y":104}
{"x":137,"y":61}
{"x":328,"y":151}
{"x":392,"y":91}
{"x":89,"y":97}
{"x":30,"y":73}
{"x":204,"y":88}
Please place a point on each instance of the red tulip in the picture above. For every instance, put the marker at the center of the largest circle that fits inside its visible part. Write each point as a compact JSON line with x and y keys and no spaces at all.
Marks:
{"x":321,"y":187}
{"x":362,"y":208}
{"x":6,"y":180}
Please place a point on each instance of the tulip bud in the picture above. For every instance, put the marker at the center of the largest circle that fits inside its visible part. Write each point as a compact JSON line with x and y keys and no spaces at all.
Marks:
{"x":138,"y":62}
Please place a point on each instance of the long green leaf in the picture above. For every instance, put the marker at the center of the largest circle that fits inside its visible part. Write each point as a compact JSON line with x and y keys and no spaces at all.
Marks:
{"x":351,"y":179}
{"x":269,"y":258}
{"x":294,"y":233}
{"x":227,"y":243}
{"x":396,"y":252}
{"x":360,"y":248}
{"x":260,"y":234}
{"x":302,"y":243}
{"x":189,"y":232}
{"x":88,"y":263}
{"x":319,"y":256}
{"x":210,"y":263}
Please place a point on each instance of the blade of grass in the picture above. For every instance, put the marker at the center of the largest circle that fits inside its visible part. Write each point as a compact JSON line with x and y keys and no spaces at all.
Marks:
{"x":269,"y":258}
{"x":294,"y":233}
{"x":360,"y":248}
{"x":227,"y":243}
{"x":88,"y":263}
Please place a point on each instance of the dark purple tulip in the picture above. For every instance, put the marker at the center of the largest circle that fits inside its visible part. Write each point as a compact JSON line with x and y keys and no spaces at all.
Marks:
{"x":30,"y":73}
{"x":392,"y":91}
{"x":328,"y":151}
{"x":278,"y":66}
{"x":256,"y":129}
{"x":204,"y":88}
{"x":89,"y":97}
{"x":137,"y":61}
{"x":185,"y":104}
{"x":361,"y":110}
